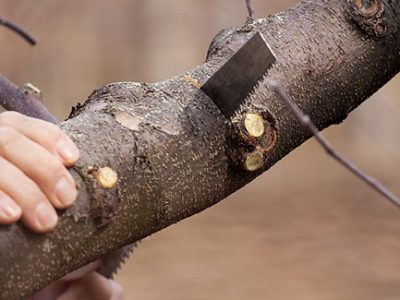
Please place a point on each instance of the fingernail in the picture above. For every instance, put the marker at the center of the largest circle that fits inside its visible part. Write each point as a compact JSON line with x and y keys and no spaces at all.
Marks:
{"x":65,"y":192}
{"x":9,"y":209}
{"x":67,"y":150}
{"x":45,"y":217}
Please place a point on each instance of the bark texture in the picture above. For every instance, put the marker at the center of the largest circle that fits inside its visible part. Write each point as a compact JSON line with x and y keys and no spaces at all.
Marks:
{"x":175,"y":153}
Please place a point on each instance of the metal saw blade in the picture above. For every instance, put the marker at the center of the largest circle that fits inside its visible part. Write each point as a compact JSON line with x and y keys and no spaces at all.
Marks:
{"x":114,"y":260}
{"x":231,"y":84}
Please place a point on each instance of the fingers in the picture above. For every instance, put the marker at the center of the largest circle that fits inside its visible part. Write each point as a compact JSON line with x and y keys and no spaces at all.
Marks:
{"x":33,"y":177}
{"x":37,"y":213}
{"x":49,"y":136}
{"x":83,"y":271}
{"x":10,"y":212}
{"x":37,"y":163}
{"x":56,"y":289}
{"x":51,"y":292}
{"x":93,"y":286}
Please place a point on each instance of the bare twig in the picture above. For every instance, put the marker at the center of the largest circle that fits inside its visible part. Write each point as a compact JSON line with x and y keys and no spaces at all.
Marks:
{"x":250,"y":9}
{"x":19,"y":30}
{"x":306,"y":122}
{"x":23,"y":100}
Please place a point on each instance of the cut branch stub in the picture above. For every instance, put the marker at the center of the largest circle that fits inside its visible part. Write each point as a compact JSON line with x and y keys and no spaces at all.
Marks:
{"x":102,"y":182}
{"x":107,"y":177}
{"x":252,"y":136}
{"x":254,"y":125}
{"x":368,"y":8}
{"x":369,"y":16}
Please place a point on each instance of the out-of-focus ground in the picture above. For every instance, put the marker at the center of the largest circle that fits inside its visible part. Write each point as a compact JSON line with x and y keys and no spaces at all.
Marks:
{"x":305,"y":230}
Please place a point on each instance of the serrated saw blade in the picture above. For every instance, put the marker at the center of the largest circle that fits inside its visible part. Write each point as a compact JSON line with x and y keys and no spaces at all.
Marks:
{"x":114,"y":260}
{"x":231,"y":84}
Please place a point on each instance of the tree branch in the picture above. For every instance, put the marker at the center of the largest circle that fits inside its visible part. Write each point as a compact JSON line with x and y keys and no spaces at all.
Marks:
{"x":18,"y":30}
{"x":174,"y":152}
{"x":25,"y":100}
{"x":306,"y":122}
{"x":250,"y":10}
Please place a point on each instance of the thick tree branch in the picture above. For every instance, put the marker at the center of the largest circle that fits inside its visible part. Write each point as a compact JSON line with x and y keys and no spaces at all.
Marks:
{"x":174,"y":152}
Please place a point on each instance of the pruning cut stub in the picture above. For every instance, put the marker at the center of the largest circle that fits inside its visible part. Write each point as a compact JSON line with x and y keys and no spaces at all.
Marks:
{"x":369,"y":16}
{"x":253,"y":135}
{"x":254,"y":125}
{"x":107,"y":177}
{"x":253,"y":161}
{"x":368,"y":8}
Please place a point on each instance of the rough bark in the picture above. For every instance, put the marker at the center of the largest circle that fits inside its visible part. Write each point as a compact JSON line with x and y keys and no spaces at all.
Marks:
{"x":176,"y":154}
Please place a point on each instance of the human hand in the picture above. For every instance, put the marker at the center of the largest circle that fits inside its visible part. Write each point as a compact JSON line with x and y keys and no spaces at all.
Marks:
{"x":84,"y":283}
{"x":34,"y":180}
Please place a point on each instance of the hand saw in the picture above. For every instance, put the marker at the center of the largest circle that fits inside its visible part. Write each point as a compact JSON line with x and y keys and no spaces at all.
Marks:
{"x":228,"y":88}
{"x":234,"y":81}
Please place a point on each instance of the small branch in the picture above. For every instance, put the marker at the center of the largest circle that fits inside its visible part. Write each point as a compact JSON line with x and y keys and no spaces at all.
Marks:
{"x":18,"y":30}
{"x":24,"y":100}
{"x":307,"y":123}
{"x":250,"y":10}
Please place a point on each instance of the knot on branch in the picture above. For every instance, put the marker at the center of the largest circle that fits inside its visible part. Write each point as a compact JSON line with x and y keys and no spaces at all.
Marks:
{"x":369,"y":16}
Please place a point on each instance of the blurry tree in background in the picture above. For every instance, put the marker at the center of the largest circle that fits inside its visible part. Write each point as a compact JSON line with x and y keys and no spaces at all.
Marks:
{"x":306,"y":229}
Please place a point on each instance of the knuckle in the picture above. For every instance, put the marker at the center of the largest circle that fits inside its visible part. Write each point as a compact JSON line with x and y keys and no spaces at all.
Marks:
{"x":54,"y":169}
{"x":117,"y":291}
{"x":49,"y":127}
{"x":9,"y":117}
{"x":58,"y":134}
{"x":7,"y":135}
{"x":53,"y":132}
{"x":35,"y":194}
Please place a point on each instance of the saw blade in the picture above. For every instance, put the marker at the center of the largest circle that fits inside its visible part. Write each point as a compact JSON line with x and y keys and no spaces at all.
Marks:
{"x":231,"y":84}
{"x":112,"y":262}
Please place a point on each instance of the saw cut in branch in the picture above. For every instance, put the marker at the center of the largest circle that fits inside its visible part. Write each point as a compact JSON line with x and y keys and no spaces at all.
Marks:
{"x":172,"y":153}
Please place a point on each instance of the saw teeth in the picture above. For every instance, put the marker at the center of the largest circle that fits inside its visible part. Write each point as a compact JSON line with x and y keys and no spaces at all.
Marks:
{"x":113,"y":261}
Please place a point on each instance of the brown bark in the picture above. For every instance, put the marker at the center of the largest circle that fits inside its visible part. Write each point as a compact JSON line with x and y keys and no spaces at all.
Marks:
{"x":176,"y":154}
{"x":25,"y":100}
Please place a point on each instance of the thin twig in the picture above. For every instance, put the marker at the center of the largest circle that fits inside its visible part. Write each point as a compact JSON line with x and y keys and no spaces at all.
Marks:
{"x":306,"y":122}
{"x":250,"y":10}
{"x":19,"y":30}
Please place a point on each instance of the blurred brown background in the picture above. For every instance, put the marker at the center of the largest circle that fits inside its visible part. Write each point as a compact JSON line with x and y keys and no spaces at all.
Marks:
{"x":305,"y":230}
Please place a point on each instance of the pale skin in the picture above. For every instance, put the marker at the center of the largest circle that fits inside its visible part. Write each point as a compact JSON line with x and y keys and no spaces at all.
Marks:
{"x":34,"y":181}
